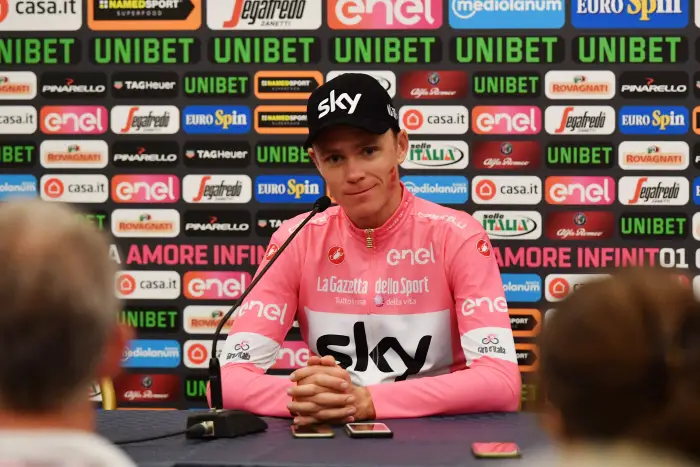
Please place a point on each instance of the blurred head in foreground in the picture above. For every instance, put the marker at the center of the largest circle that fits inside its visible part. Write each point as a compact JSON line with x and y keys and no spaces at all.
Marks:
{"x":620,"y":361}
{"x":58,"y":315}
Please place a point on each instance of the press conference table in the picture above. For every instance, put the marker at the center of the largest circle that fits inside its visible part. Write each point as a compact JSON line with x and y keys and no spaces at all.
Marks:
{"x":435,"y":441}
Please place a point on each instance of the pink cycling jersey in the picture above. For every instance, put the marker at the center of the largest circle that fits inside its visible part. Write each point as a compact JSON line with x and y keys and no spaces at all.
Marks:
{"x":413,"y":310}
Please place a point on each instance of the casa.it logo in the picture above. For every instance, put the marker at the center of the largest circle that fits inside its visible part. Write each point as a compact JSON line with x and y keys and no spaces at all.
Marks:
{"x":559,"y":286}
{"x":435,"y":119}
{"x":215,"y":285}
{"x":388,"y":14}
{"x":654,"y":120}
{"x":579,"y":190}
{"x":579,"y":225}
{"x":579,"y":120}
{"x":145,"y":189}
{"x":137,"y":285}
{"x":507,"y":190}
{"x":506,"y":155}
{"x":88,"y":188}
{"x":504,"y":120}
{"x":336,"y":255}
{"x":73,"y":120}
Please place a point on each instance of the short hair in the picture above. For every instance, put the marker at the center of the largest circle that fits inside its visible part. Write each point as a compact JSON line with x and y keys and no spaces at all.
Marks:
{"x":57,"y":305}
{"x":620,"y":360}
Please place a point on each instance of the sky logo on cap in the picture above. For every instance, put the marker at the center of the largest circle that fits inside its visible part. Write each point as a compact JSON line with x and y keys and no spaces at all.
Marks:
{"x":441,"y":189}
{"x":344,"y":102}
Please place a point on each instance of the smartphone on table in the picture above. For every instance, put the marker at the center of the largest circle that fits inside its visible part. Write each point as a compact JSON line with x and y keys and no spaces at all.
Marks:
{"x":312,"y":431}
{"x":368,"y":430}
{"x":495,"y":450}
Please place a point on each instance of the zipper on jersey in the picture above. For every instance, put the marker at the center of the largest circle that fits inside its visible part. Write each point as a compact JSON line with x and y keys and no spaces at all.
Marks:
{"x":369,"y":239}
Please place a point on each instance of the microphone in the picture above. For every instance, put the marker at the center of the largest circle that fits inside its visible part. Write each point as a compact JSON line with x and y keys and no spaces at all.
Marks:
{"x":219,"y":423}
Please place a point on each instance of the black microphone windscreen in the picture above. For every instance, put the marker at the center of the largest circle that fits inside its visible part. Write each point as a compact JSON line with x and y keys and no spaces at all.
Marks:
{"x":322,"y":203}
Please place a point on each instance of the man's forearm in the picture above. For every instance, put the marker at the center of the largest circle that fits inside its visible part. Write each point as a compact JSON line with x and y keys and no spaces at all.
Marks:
{"x":255,"y":392}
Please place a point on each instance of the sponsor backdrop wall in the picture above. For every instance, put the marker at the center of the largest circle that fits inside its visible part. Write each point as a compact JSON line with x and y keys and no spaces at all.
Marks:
{"x":176,"y":126}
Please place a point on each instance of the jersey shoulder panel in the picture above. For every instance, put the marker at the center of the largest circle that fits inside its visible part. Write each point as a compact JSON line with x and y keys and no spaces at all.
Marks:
{"x":456,"y":224}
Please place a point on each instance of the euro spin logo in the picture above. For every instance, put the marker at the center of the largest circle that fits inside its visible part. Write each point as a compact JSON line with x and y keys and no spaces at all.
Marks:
{"x":650,"y":120}
{"x":616,"y":14}
{"x":288,"y":189}
{"x":212,"y":119}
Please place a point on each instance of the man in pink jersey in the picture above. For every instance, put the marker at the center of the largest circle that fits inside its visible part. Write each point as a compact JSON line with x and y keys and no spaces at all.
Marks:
{"x":401,"y":297}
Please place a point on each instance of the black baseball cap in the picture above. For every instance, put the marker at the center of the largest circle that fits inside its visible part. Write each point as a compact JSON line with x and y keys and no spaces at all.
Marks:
{"x":353,"y":99}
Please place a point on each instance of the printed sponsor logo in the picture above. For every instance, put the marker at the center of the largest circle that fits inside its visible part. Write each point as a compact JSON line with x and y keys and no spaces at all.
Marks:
{"x":204,"y":319}
{"x":141,"y":223}
{"x":654,"y":155}
{"x":579,"y":190}
{"x":506,"y":155}
{"x":282,"y":154}
{"x":580,"y":154}
{"x":145,"y":84}
{"x":522,"y":287}
{"x":137,"y":388}
{"x":17,"y":186}
{"x":653,"y":120}
{"x":17,"y":154}
{"x":74,"y":154}
{"x":74,"y":188}
{"x":286,"y":84}
{"x":525,"y":322}
{"x":145,"y":188}
{"x":625,"y":14}
{"x":153,"y":320}
{"x":147,"y":353}
{"x":215,"y":285}
{"x":17,"y":85}
{"x":511,"y":225}
{"x":145,"y":119}
{"x":204,"y":84}
{"x":441,"y":189}
{"x":395,"y":257}
{"x":433,"y":85}
{"x":254,"y":15}
{"x":481,"y":14}
{"x":696,"y":120}
{"x":589,"y":84}
{"x":654,"y":85}
{"x":288,"y":188}
{"x":507,"y":120}
{"x":435,"y":119}
{"x":645,"y":191}
{"x":268,"y":221}
{"x":579,"y":225}
{"x":217,"y":223}
{"x":292,"y":355}
{"x":439,"y":155}
{"x":218,"y":154}
{"x":146,"y":15}
{"x":639,"y":226}
{"x":196,"y":353}
{"x":391,"y":14}
{"x":217,"y":188}
{"x":147,"y":285}
{"x":507,"y":190}
{"x":385,"y":77}
{"x":145,"y":154}
{"x":212,"y":119}
{"x":559,"y":286}
{"x":490,"y":85}
{"x":73,"y":120}
{"x":484,"y":305}
{"x":18,"y":120}
{"x":62,"y":85}
{"x":281,"y":120}
{"x":38,"y":15}
{"x":579,"y":120}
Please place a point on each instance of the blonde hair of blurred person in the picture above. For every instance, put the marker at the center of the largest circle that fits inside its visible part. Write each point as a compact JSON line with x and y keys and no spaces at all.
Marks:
{"x":620,"y":373}
{"x":58,"y":333}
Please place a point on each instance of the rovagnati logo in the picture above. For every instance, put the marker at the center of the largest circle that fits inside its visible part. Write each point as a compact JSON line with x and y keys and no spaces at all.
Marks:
{"x":627,"y":14}
{"x":522,"y":287}
{"x":143,"y":353}
{"x":288,"y":188}
{"x":485,"y":14}
{"x":17,"y":186}
{"x":441,"y":189}
{"x":213,"y":119}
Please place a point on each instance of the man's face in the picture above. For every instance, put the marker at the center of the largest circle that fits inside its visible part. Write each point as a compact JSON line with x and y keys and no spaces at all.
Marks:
{"x":360,"y":168}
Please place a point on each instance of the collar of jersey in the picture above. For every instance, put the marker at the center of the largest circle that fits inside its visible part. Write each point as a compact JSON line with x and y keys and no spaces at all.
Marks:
{"x":390,"y":226}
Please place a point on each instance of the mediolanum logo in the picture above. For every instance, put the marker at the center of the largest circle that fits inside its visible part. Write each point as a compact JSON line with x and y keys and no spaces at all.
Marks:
{"x":288,"y":188}
{"x":477,"y":14}
{"x":654,"y":120}
{"x":441,"y":189}
{"x":511,"y":225}
{"x":581,"y":85}
{"x":444,"y":155}
{"x":522,"y":287}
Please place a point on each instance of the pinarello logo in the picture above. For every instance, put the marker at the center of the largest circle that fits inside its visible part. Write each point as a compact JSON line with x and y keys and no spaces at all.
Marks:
{"x":433,"y":85}
{"x":506,"y":155}
{"x":507,"y":120}
{"x":336,"y":255}
{"x":126,"y":284}
{"x":73,"y":120}
{"x":391,"y":14}
{"x":580,"y":190}
{"x":145,"y":188}
{"x":559,"y":288}
{"x":579,"y":225}
{"x":211,"y":285}
{"x":271,"y":251}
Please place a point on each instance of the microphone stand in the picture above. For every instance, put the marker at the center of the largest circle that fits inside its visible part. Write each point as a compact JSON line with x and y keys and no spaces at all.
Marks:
{"x":220,"y":423}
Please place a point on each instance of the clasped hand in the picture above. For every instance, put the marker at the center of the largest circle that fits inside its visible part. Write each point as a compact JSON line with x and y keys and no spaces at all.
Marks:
{"x":324,"y":393}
